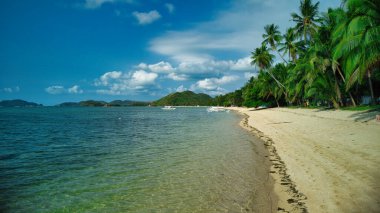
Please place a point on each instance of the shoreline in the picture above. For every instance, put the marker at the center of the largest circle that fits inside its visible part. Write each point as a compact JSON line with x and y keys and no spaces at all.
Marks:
{"x":322,"y":161}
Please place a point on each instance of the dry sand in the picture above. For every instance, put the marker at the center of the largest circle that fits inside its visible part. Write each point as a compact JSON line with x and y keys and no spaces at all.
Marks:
{"x":322,"y":161}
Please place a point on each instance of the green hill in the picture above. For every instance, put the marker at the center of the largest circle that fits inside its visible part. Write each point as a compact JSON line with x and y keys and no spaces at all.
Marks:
{"x":186,"y":98}
{"x":18,"y":103}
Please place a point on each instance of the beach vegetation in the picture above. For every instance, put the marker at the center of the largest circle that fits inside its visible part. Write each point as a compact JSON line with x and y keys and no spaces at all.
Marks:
{"x":329,"y":59}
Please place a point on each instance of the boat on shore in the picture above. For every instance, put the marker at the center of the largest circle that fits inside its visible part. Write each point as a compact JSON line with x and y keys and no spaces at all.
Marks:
{"x":168,"y":108}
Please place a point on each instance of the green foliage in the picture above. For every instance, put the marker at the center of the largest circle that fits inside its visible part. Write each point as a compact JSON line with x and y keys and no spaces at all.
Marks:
{"x":186,"y":98}
{"x":358,"y":42}
{"x":363,"y":108}
{"x":331,"y":56}
{"x":262,"y":58}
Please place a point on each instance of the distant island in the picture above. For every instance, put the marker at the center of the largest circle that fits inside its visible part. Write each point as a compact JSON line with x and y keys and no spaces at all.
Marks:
{"x":18,"y":103}
{"x":186,"y":98}
{"x":115,"y":103}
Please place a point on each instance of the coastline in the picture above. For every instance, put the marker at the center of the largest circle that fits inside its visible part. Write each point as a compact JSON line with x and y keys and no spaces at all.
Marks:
{"x":322,"y":161}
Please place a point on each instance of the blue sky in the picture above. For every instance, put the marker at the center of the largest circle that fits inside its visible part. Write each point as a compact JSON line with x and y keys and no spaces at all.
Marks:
{"x":52,"y":51}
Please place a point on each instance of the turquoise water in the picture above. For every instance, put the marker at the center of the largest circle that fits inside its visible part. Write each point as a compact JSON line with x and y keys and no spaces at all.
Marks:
{"x":126,"y":160}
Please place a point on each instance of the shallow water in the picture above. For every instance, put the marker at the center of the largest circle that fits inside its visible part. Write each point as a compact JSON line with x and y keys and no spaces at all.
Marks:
{"x":136,"y":159}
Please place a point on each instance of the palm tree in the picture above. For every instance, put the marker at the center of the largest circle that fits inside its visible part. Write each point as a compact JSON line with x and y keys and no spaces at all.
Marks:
{"x":262,"y":58}
{"x":359,"y":48}
{"x":272,"y":36}
{"x":306,"y":21}
{"x":289,"y":45}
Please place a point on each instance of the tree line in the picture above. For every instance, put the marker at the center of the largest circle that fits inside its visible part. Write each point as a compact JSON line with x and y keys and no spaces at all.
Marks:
{"x":327,"y":59}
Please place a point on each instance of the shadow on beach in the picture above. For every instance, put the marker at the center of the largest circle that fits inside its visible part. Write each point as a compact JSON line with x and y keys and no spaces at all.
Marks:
{"x":366,"y":115}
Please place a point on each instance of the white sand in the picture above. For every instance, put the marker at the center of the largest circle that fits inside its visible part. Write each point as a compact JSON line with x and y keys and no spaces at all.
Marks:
{"x":332,"y":157}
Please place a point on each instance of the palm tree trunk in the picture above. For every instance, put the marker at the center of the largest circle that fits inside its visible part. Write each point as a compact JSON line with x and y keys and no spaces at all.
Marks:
{"x":278,"y":105}
{"x":371,"y":88}
{"x":344,"y":81}
{"x":274,"y":78}
{"x":335,"y":103}
{"x":339,"y":94}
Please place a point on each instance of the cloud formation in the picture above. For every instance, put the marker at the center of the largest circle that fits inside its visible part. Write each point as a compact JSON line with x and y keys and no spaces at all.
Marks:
{"x":160,"y":67}
{"x":177,"y":77}
{"x":94,"y":4}
{"x":119,"y":83}
{"x":146,"y":18}
{"x":212,"y":86}
{"x":237,"y":29}
{"x":188,"y":69}
{"x":55,"y":90}
{"x":11,"y":89}
{"x":75,"y":90}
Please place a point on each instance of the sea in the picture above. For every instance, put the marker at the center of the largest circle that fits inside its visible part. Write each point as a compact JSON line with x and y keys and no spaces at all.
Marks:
{"x":129,"y":159}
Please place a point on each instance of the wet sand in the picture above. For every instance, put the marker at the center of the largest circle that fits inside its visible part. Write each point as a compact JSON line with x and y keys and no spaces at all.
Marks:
{"x":322,"y":160}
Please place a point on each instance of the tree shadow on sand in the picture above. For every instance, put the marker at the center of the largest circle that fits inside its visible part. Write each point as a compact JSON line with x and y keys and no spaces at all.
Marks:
{"x":366,"y":115}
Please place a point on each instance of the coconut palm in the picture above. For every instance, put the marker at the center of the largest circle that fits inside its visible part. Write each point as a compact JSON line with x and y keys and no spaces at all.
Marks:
{"x":272,"y":37}
{"x":289,"y":46}
{"x":359,"y":48}
{"x":262,"y":58}
{"x":306,"y":21}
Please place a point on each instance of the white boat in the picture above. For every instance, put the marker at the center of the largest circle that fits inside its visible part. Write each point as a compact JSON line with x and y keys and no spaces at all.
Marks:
{"x":216,"y":109}
{"x":168,"y":108}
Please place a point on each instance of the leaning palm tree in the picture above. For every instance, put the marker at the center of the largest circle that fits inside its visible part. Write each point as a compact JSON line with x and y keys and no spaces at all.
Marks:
{"x":289,"y":46}
{"x":306,"y":21}
{"x":359,"y":47}
{"x":263,"y":59}
{"x":272,"y":36}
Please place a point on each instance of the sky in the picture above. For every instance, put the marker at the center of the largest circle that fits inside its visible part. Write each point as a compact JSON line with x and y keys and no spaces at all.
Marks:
{"x":54,"y":51}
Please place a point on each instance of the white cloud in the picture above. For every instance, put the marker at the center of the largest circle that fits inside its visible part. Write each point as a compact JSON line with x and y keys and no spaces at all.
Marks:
{"x":242,"y":64}
{"x":160,"y":67}
{"x":107,"y":77}
{"x":142,"y":66}
{"x":170,"y":7}
{"x":75,"y":90}
{"x":177,"y":77}
{"x":189,"y":70}
{"x":146,"y":18}
{"x":181,"y":89}
{"x":119,"y":83}
{"x":212,"y":86}
{"x":11,"y":89}
{"x":237,"y":30}
{"x":207,"y":66}
{"x":54,"y":90}
{"x":141,"y":78}
{"x":94,"y":4}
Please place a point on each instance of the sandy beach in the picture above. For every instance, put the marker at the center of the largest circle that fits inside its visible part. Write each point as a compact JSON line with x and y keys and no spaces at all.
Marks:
{"x":322,"y":160}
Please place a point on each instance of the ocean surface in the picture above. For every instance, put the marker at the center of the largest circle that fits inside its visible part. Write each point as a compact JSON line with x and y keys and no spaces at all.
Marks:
{"x":136,"y":159}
